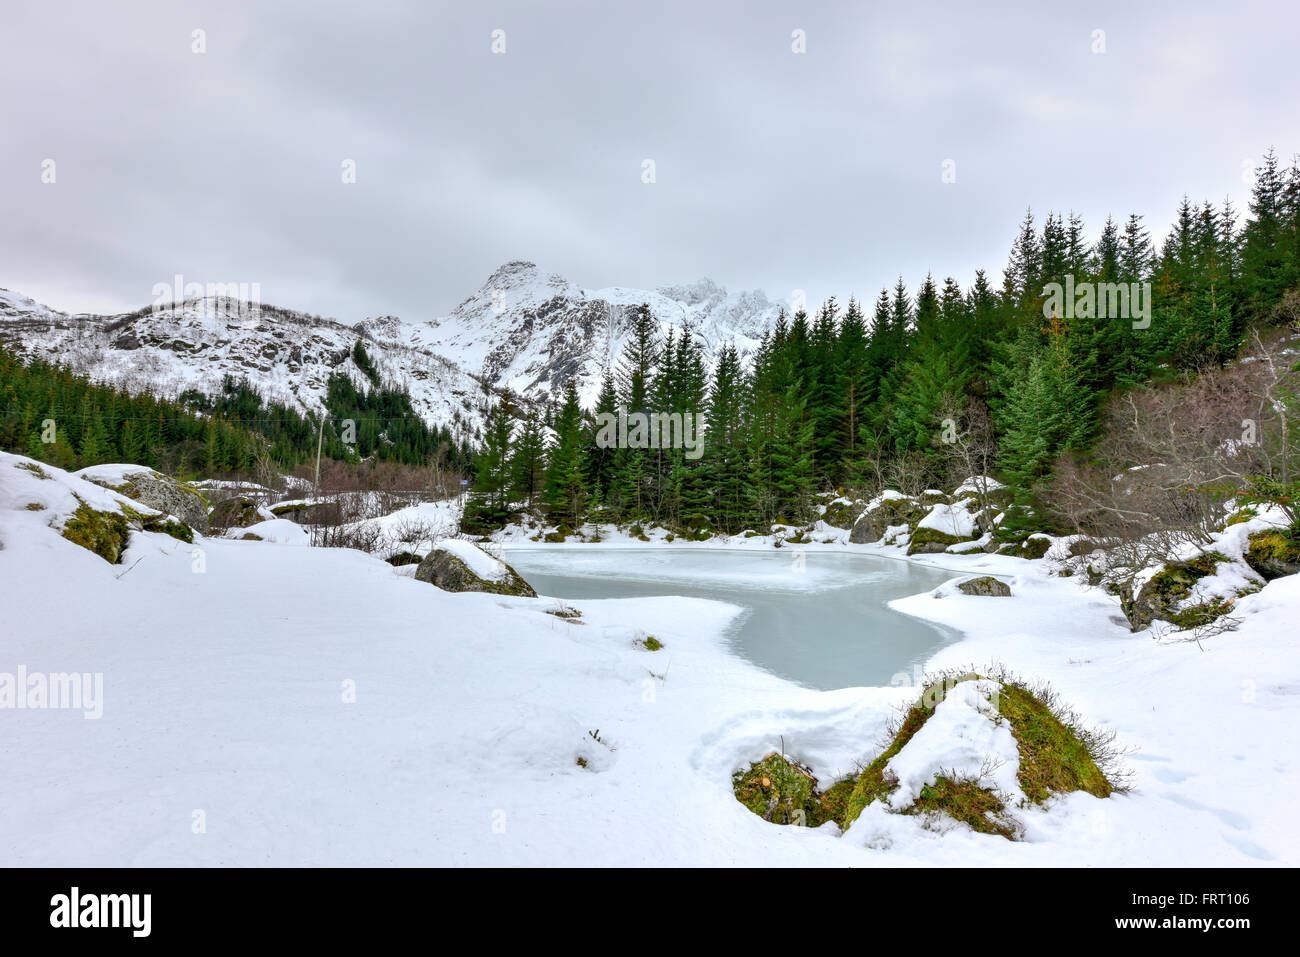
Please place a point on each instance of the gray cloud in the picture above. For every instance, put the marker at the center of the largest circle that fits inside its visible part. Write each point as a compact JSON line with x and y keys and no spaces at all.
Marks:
{"x":818,"y":171}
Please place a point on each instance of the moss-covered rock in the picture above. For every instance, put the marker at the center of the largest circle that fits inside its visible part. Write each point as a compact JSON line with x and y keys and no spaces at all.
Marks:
{"x":104,"y":533}
{"x":779,"y":790}
{"x":871,"y":525}
{"x":169,"y":526}
{"x":156,"y":491}
{"x":445,"y":570}
{"x":1161,"y":595}
{"x":842,"y":513}
{"x":235,"y":512}
{"x":1274,"y":553}
{"x":930,"y":541}
{"x":1034,"y":547}
{"x":985,"y":586}
{"x":309,"y":513}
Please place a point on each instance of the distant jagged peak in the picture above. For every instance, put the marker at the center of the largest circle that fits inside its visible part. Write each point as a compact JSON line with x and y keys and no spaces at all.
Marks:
{"x":693,"y":293}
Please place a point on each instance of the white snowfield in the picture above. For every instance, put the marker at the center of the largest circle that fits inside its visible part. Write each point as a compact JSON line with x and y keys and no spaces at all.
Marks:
{"x":265,"y":705}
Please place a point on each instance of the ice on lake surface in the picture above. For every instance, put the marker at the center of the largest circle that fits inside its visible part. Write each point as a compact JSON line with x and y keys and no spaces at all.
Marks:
{"x":821,"y":620}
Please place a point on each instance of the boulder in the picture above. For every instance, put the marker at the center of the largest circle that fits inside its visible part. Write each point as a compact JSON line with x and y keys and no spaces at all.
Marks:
{"x":1274,"y":553}
{"x":1161,"y":595}
{"x":458,"y":565}
{"x":841,"y":512}
{"x":237,"y":512}
{"x":309,"y":513}
{"x":154,"y":490}
{"x":986,"y":586}
{"x":886,"y":512}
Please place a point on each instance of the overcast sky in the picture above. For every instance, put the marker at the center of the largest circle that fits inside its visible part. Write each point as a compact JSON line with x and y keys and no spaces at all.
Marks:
{"x":820,"y":170}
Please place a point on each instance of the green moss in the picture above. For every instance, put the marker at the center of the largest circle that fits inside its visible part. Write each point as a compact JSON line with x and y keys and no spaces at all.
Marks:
{"x":177,"y":530}
{"x":873,"y":784}
{"x":1239,"y":516}
{"x":1033,"y":548}
{"x":1275,"y":552}
{"x":965,"y":801}
{"x":835,"y":800}
{"x":34,"y":507}
{"x":104,"y":533}
{"x":931,"y":536}
{"x":33,"y":468}
{"x":403,"y":558}
{"x":841,"y":514}
{"x":779,"y":791}
{"x":652,"y":643}
{"x":1054,"y":755}
{"x":1176,"y":580}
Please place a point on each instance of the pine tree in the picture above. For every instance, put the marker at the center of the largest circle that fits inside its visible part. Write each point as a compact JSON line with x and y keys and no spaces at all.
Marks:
{"x":566,"y":489}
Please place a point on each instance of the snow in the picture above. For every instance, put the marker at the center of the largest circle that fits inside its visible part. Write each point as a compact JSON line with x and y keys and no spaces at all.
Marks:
{"x":475,"y":559}
{"x":964,"y":738}
{"x":977,"y":483}
{"x":117,"y":474}
{"x":277,"y":531}
{"x":955,"y":520}
{"x":304,"y":706}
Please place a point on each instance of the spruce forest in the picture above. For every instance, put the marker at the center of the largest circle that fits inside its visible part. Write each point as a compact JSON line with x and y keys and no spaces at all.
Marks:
{"x":921,"y":387}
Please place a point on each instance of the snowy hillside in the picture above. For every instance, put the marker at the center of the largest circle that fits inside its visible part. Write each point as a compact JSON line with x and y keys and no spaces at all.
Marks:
{"x":524,"y":330}
{"x":318,"y":706}
{"x":287,"y":355}
{"x":531,"y":331}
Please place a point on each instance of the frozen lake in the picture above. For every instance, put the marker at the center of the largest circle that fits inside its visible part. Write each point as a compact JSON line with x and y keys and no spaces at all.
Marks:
{"x":824,"y":625}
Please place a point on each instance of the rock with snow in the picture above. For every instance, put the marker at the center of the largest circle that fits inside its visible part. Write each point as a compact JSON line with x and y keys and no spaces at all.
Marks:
{"x":985,"y":586}
{"x":237,"y":512}
{"x":148,"y":487}
{"x":458,"y":565}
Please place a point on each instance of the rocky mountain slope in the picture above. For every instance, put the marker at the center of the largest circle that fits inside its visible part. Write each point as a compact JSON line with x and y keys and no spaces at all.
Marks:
{"x":531,"y":331}
{"x":287,"y":355}
{"x":524,"y":330}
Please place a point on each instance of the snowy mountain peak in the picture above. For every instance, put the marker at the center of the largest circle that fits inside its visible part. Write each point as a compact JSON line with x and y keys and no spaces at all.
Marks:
{"x":693,"y":293}
{"x":531,"y":331}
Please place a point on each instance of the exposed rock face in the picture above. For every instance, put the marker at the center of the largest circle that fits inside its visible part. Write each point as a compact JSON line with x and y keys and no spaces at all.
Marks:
{"x":866,"y":529}
{"x":1274,"y":553}
{"x":310,"y":513}
{"x":533,"y":330}
{"x":159,"y":492}
{"x":987,"y":586}
{"x":237,"y":512}
{"x":871,"y":525}
{"x":449,"y":573}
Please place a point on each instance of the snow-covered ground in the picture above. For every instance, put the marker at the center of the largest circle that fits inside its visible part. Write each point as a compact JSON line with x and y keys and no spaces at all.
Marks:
{"x":265,"y":704}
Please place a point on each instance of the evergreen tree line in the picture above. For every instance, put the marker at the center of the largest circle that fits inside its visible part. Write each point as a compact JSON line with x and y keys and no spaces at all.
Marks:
{"x":853,"y":394}
{"x":52,"y":414}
